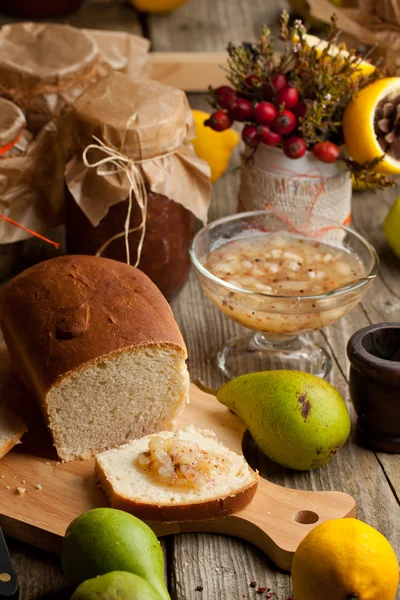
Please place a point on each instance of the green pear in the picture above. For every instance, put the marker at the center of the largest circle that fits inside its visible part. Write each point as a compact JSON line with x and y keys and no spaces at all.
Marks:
{"x":298,"y":420}
{"x":104,"y":540}
{"x":391,"y":227}
{"x":118,"y":584}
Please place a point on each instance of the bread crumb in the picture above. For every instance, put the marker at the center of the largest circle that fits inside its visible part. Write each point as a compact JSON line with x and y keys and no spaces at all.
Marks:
{"x":23,"y":481}
{"x":2,"y":476}
{"x":8,"y":487}
{"x":47,"y":463}
{"x":21,"y":490}
{"x":38,"y":486}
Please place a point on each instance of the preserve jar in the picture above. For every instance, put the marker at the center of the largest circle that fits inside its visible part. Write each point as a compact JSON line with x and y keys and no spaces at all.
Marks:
{"x":169,"y":231}
{"x":14,"y":137}
{"x":134,"y":183}
{"x":39,"y":9}
{"x":44,"y":67}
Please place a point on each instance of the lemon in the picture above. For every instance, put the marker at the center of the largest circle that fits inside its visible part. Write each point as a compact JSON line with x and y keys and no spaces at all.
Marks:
{"x":345,"y":559}
{"x":361,"y":68}
{"x":391,"y":227}
{"x":358,"y":124}
{"x":157,"y":6}
{"x":215,"y":147}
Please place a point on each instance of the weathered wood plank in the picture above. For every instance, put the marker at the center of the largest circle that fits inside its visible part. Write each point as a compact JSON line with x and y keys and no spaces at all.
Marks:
{"x":355,"y":470}
{"x":210,"y":25}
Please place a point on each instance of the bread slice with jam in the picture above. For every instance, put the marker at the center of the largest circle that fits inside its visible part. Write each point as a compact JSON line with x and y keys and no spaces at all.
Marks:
{"x":184,"y":476}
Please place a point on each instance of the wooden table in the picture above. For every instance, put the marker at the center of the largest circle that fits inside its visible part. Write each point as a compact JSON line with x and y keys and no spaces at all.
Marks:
{"x":222,"y":566}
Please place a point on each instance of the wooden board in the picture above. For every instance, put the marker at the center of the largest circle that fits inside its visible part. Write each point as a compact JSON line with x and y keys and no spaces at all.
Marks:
{"x":276,"y":520}
{"x":189,"y":71}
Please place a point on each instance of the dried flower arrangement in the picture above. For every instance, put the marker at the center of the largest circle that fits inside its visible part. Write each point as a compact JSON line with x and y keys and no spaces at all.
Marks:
{"x":296,"y":100}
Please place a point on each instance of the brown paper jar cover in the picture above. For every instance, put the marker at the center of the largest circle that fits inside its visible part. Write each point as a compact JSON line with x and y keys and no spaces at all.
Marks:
{"x":31,"y":185}
{"x":44,"y":67}
{"x":150,"y":124}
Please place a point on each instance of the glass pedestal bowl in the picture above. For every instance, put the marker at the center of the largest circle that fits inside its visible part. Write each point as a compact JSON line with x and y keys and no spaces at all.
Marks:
{"x":279,"y":324}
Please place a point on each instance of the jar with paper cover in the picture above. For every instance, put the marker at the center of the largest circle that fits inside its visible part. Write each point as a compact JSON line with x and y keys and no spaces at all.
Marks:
{"x":134,"y":183}
{"x":14,"y":140}
{"x":44,"y":67}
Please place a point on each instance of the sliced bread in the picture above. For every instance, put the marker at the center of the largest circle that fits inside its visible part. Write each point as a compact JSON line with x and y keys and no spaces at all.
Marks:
{"x":97,"y":345}
{"x":184,"y":476}
{"x":12,"y":428}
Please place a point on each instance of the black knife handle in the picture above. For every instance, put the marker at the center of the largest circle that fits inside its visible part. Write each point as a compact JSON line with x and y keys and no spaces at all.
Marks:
{"x":8,"y":578}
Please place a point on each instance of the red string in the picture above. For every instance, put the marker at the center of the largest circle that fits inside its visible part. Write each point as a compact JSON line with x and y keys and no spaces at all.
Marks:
{"x":7,"y":147}
{"x":38,"y":235}
{"x":311,"y":206}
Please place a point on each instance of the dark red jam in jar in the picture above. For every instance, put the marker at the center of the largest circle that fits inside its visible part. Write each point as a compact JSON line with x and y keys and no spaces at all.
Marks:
{"x":165,"y":253}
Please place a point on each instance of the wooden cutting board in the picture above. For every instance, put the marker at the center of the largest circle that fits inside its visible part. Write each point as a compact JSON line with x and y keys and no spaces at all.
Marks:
{"x":276,"y":520}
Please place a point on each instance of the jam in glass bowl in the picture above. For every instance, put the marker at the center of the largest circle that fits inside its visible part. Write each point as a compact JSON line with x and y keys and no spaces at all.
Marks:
{"x":281,"y":275}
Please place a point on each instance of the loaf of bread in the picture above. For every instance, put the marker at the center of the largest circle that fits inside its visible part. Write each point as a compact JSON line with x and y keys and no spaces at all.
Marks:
{"x":184,"y":476}
{"x":96,"y":343}
{"x":12,"y":428}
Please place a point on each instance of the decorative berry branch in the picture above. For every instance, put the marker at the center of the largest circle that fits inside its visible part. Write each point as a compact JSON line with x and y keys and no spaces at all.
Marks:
{"x":296,"y":100}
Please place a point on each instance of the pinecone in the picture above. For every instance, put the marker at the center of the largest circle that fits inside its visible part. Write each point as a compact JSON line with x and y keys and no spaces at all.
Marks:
{"x":387,"y":126}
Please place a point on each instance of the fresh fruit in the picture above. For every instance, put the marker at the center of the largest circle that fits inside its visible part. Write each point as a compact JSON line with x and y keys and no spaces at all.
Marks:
{"x":288,"y":96}
{"x":297,"y":419}
{"x":116,"y":585}
{"x":326,"y":152}
{"x":157,"y":6}
{"x":219,"y":121}
{"x":214,"y":147}
{"x":279,"y":82}
{"x":268,"y":136}
{"x":361,"y":68}
{"x":391,"y":227}
{"x":368,"y":112}
{"x":240,"y":109}
{"x":250,"y":136}
{"x":264,"y":113}
{"x":104,"y":540}
{"x":225,"y":90}
{"x":284,"y":122}
{"x":224,"y":95}
{"x":300,"y":109}
{"x":295,"y":147}
{"x":253,"y":81}
{"x":345,"y":559}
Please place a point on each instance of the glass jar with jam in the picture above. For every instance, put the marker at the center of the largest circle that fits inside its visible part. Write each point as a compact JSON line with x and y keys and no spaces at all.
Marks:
{"x":134,"y":184}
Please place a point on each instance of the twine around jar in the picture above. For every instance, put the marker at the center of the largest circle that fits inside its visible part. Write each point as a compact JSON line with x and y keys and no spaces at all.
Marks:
{"x":137,"y":187}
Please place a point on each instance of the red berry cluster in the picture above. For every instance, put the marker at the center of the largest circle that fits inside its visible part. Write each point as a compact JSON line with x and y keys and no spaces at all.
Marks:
{"x":273,"y":121}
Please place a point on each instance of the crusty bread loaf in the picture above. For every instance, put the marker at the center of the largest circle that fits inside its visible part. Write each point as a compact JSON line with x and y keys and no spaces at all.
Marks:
{"x":135,"y":489}
{"x":12,"y":428}
{"x":97,"y":344}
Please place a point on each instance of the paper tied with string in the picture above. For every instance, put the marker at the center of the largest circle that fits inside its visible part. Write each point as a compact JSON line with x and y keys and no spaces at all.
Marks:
{"x":129,"y":134}
{"x":371,"y":23}
{"x":44,"y":67}
{"x":31,"y":185}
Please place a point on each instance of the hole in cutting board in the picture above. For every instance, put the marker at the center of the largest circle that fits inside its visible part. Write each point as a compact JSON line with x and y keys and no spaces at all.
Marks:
{"x":306,"y":517}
